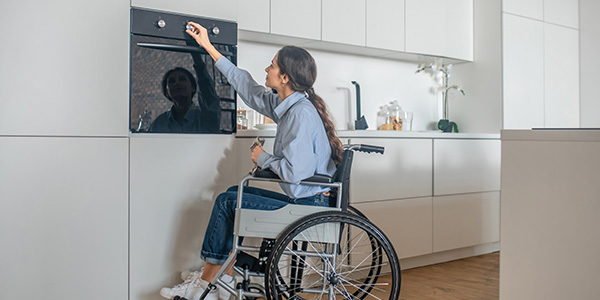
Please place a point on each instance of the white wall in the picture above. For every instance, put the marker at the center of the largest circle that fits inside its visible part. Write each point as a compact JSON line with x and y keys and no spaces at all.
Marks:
{"x":381,"y":81}
{"x":589,"y":45}
{"x":480,"y":110}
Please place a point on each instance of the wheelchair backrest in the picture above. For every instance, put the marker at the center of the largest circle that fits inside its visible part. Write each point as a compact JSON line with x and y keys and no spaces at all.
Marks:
{"x":342,"y":174}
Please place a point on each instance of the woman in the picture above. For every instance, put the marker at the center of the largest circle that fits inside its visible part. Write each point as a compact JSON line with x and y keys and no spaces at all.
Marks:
{"x":179,"y":86}
{"x":305,"y":144}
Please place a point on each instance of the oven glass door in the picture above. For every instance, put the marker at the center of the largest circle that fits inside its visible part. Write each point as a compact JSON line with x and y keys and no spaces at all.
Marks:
{"x":175,"y":88}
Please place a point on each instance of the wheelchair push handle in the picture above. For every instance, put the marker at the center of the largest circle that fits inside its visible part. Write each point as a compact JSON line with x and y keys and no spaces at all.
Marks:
{"x":365,"y":148}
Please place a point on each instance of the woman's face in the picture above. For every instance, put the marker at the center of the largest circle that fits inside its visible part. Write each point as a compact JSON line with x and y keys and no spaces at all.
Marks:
{"x":274,"y":79}
{"x":179,"y":87}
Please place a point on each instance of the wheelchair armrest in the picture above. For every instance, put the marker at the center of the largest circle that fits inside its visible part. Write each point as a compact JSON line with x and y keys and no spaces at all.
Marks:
{"x":319,"y":178}
{"x":265,"y":173}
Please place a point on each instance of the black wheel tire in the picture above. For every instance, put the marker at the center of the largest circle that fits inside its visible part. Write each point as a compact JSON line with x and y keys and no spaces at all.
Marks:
{"x":377,"y":247}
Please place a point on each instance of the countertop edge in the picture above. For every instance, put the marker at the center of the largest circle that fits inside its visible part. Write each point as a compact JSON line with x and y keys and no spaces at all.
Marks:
{"x":383,"y":134}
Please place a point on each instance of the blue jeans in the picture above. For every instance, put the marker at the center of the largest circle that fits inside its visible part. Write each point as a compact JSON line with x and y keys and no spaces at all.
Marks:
{"x":218,"y":240}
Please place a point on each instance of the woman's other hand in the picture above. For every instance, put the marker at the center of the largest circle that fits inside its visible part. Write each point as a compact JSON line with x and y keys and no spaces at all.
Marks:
{"x":200,"y":34}
{"x":256,"y":153}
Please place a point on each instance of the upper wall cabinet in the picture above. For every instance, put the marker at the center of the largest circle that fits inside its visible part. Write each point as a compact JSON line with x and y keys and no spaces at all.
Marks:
{"x":440,"y":28}
{"x":385,"y":24}
{"x":290,"y":18}
{"x":379,"y":28}
{"x":222,"y":9}
{"x":344,"y":21}
{"x":254,"y":15}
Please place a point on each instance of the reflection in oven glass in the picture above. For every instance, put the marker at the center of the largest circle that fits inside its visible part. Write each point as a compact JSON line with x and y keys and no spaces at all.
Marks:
{"x":178,"y":91}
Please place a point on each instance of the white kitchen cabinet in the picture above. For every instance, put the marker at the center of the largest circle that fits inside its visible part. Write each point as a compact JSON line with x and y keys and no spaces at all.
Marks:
{"x":403,"y":171}
{"x":425,"y":26}
{"x":64,"y":217}
{"x":407,"y":223}
{"x":526,"y":8}
{"x":523,"y":72}
{"x":562,"y":12}
{"x":385,"y":24}
{"x":173,"y":183}
{"x":465,"y":220}
{"x":254,"y":15}
{"x":440,"y":28}
{"x":65,"y":81}
{"x":291,"y":18}
{"x":465,"y":166}
{"x":561,"y":76}
{"x":222,"y":9}
{"x":343,"y":21}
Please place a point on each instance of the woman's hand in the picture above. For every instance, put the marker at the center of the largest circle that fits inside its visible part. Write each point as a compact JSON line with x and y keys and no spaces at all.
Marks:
{"x":200,"y":34}
{"x":256,"y":152}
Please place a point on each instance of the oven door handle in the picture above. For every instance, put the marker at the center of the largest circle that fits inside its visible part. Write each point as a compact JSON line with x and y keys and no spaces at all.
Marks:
{"x":179,"y":48}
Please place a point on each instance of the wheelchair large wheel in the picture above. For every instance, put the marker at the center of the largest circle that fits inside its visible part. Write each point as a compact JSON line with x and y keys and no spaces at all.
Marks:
{"x":333,"y":255}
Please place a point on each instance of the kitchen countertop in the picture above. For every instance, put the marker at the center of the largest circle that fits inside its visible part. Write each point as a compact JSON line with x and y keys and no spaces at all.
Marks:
{"x":382,"y":134}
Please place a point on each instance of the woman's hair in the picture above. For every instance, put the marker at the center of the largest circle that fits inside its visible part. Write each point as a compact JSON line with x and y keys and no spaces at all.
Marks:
{"x":184,"y":71}
{"x":301,"y":69}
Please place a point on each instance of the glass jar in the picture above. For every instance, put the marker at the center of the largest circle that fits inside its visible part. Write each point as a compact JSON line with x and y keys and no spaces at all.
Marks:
{"x":383,"y":116}
{"x":395,"y":120}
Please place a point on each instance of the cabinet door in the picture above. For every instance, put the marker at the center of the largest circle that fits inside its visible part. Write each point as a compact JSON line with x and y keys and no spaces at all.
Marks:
{"x":527,"y":8}
{"x":458,"y":29}
{"x":404,"y":171}
{"x":222,"y":9}
{"x":523,"y":72}
{"x":407,"y":223}
{"x":173,"y":183}
{"x":65,"y":81}
{"x":440,"y":27}
{"x":254,"y":15}
{"x":425,"y":26}
{"x":465,"y":166}
{"x":64,"y":217}
{"x":562,"y":12}
{"x":385,"y":24}
{"x":561,"y":76}
{"x":344,"y":21}
{"x":296,"y":19}
{"x":465,"y":220}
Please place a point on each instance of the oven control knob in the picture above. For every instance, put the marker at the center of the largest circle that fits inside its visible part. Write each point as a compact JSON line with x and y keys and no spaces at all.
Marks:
{"x":216,"y":30}
{"x":161,"y":23}
{"x":189,"y":27}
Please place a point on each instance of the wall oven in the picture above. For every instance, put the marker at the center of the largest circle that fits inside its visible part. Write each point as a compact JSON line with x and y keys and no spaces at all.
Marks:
{"x":174,"y":85}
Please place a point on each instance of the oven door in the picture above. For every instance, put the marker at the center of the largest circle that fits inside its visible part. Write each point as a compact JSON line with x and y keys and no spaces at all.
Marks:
{"x":175,"y":88}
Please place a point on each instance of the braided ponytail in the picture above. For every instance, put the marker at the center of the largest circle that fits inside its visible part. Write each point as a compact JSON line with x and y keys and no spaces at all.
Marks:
{"x":334,"y":141}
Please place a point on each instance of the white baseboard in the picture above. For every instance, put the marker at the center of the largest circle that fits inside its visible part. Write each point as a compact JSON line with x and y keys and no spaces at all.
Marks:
{"x":440,"y":257}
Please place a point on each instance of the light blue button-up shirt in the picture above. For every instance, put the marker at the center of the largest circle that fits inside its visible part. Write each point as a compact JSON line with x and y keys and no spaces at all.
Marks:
{"x":301,"y":147}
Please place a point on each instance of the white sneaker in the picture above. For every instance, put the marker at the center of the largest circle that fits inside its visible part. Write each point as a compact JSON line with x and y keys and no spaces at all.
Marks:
{"x":191,"y":290}
{"x":193,"y":282}
{"x":187,"y":275}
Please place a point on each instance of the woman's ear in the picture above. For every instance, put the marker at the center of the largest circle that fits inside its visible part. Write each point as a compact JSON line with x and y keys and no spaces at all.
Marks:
{"x":285,"y":78}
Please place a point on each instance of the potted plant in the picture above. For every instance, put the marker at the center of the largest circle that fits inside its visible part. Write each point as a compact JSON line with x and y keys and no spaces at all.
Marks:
{"x":441,"y":74}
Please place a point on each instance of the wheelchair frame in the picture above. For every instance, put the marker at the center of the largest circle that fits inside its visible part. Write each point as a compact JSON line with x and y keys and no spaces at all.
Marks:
{"x":273,"y":224}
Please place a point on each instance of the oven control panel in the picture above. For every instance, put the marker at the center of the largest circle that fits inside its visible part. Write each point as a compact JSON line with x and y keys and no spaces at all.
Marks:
{"x":170,"y":25}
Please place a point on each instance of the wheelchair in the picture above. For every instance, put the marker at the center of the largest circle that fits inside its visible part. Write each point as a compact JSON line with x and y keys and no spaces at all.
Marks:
{"x":311,"y":252}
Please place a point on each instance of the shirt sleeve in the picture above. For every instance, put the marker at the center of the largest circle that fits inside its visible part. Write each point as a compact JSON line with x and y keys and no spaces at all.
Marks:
{"x":253,"y":94}
{"x":299,"y":159}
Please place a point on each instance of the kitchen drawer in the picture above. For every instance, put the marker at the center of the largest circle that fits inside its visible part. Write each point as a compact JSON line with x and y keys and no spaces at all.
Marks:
{"x":407,"y":223}
{"x":403,"y":171}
